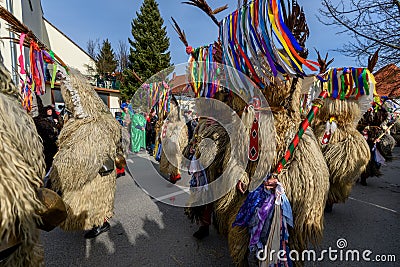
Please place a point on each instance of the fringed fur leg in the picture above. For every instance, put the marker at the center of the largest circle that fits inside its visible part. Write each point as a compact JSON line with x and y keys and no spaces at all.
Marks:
{"x":306,"y":186}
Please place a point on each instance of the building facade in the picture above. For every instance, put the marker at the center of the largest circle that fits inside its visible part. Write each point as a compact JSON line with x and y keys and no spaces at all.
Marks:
{"x":30,"y":13}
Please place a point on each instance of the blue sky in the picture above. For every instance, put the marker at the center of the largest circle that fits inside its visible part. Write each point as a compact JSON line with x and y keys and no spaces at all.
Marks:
{"x":89,"y":19}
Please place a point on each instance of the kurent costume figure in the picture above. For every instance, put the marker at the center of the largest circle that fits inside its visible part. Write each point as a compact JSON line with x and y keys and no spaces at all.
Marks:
{"x":83,"y":170}
{"x":22,"y":168}
{"x":372,"y":126}
{"x":347,"y":152}
{"x":173,"y":138}
{"x":294,"y":170}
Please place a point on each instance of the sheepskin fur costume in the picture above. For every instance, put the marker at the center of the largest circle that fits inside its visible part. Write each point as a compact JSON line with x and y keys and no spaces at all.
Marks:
{"x":372,"y":124}
{"x":174,"y":141}
{"x":88,"y":140}
{"x":305,"y":177}
{"x":347,"y":153}
{"x":22,"y":168}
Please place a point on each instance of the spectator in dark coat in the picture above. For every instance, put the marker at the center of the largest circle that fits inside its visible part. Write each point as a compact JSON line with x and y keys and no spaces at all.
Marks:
{"x":151,"y":131}
{"x":46,"y":126}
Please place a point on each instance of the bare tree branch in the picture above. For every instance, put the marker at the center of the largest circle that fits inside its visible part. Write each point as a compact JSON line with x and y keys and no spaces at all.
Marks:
{"x":357,"y":32}
{"x":122,"y":55}
{"x":371,"y":24}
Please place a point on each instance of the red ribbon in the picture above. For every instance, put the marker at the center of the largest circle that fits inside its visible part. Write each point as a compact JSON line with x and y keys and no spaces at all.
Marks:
{"x":21,"y":57}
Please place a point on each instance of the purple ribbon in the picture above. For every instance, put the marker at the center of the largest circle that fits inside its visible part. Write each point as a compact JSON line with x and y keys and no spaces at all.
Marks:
{"x":263,"y":213}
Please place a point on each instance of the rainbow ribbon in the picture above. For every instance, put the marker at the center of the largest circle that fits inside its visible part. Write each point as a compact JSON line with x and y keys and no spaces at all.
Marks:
{"x":254,"y":31}
{"x":344,"y":83}
{"x":203,"y":72}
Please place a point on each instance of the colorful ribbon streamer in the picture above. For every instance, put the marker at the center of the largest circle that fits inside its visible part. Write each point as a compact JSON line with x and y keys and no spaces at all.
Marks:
{"x":157,"y":95}
{"x":21,"y":57}
{"x":256,"y":31}
{"x":203,"y":72}
{"x":344,"y":83}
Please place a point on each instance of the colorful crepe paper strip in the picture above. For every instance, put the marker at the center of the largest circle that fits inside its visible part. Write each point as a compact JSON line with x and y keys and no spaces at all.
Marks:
{"x":343,"y":83}
{"x":26,"y":93}
{"x":157,"y":95}
{"x":21,"y":57}
{"x":35,"y":80}
{"x":256,"y":30}
{"x":203,"y":72}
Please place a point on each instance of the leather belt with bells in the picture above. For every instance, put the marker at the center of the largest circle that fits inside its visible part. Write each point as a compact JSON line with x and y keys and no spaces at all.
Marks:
{"x":7,"y":248}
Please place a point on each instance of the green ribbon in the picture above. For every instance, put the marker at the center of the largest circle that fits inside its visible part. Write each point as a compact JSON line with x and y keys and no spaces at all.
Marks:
{"x":53,"y":77}
{"x":355,"y":78}
{"x":343,"y":89}
{"x":366,"y":84}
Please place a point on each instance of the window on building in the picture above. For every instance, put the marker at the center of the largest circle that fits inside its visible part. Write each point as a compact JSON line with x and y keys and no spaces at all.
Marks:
{"x":57,"y":96}
{"x":58,"y":99}
{"x":30,"y":5}
{"x":104,"y":97}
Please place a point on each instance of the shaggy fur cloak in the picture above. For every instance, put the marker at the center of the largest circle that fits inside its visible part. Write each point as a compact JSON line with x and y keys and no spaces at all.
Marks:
{"x":305,"y":178}
{"x":22,"y":168}
{"x":87,"y":140}
{"x":174,"y":142}
{"x":347,"y":153}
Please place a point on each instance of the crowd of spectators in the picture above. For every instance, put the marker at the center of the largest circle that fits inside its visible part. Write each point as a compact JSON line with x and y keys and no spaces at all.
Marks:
{"x":109,"y":80}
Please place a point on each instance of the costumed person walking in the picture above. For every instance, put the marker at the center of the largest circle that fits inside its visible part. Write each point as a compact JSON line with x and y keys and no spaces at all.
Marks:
{"x":83,"y":170}
{"x":174,"y":139}
{"x":257,"y":214}
{"x":22,"y":167}
{"x":125,"y":132}
{"x":371,"y":128}
{"x":138,"y":133}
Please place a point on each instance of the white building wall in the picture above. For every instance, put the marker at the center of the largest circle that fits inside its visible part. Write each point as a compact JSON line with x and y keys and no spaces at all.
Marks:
{"x":32,"y":16}
{"x":114,"y":101}
{"x":67,"y":50}
{"x":70,"y":53}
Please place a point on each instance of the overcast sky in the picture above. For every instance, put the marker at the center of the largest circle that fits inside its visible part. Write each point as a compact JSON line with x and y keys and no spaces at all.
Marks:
{"x":89,"y":19}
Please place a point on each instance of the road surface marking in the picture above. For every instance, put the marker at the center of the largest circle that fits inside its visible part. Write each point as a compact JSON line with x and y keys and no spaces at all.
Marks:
{"x":171,"y":195}
{"x":375,"y":205}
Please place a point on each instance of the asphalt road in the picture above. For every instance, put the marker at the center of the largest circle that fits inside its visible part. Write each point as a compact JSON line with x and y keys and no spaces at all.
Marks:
{"x":147,"y":232}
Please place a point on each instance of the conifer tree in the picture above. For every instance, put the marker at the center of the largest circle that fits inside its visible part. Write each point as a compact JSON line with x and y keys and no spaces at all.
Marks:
{"x":105,"y":60}
{"x":148,"y":48}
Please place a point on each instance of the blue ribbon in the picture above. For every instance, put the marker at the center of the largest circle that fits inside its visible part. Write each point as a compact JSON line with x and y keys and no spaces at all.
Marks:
{"x":286,"y":29}
{"x":335,"y":89}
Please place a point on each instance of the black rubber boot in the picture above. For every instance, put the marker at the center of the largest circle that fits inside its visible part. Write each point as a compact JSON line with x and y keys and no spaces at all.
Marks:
{"x":328,"y":208}
{"x":96,"y":230}
{"x":363,"y":181}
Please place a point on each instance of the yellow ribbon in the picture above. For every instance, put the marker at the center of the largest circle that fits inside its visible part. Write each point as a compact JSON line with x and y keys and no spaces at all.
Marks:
{"x":281,"y":39}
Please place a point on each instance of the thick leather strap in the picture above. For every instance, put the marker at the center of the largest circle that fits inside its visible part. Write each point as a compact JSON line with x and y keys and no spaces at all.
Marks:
{"x":9,"y":247}
{"x":254,"y":133}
